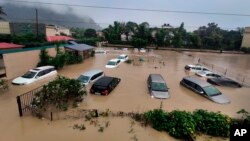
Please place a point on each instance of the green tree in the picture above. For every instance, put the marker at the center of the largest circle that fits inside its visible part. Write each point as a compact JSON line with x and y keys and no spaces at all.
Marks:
{"x":162,"y":37}
{"x":77,"y":33}
{"x":90,"y":33}
{"x":2,"y":13}
{"x":180,"y":36}
{"x":44,"y":58}
{"x":211,"y":36}
{"x":113,"y":33}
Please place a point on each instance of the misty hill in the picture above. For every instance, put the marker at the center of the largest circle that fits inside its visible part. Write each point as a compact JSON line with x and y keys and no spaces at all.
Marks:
{"x":17,"y":13}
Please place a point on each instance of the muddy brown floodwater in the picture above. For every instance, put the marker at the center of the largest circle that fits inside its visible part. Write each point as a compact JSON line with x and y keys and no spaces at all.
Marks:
{"x":130,"y":95}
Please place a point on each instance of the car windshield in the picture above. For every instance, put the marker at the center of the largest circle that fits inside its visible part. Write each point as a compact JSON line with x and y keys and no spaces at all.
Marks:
{"x":29,"y":74}
{"x":121,"y":57}
{"x":83,"y":78}
{"x":159,"y":86}
{"x":111,"y":63}
{"x":211,"y":91}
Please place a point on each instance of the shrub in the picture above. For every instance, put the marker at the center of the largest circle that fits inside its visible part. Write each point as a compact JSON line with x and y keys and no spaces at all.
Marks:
{"x":212,"y":123}
{"x":245,"y":49}
{"x":138,"y":42}
{"x":73,"y":59}
{"x":44,"y":58}
{"x":244,"y":120}
{"x":180,"y":124}
{"x":59,"y":93}
{"x":129,"y":61}
{"x":59,"y":61}
{"x":157,"y":118}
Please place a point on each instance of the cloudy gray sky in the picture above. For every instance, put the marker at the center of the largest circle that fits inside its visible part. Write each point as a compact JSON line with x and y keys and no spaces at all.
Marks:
{"x":192,"y":21}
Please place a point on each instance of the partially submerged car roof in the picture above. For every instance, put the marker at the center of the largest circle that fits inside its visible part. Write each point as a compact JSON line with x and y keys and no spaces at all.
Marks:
{"x":157,"y":78}
{"x":104,"y":81}
{"x":114,"y":60}
{"x":42,"y":68}
{"x":91,"y":72}
{"x":123,"y":55}
{"x":196,"y":80}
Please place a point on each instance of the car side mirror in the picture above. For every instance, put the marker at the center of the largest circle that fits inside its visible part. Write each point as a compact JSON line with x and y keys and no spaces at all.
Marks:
{"x":37,"y":77}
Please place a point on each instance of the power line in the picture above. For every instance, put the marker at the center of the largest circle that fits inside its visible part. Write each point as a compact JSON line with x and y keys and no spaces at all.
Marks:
{"x":130,"y":9}
{"x":79,"y":22}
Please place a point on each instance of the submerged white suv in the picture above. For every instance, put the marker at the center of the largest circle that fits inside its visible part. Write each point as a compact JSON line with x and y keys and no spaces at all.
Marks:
{"x":195,"y":68}
{"x":35,"y":75}
{"x":90,"y":76}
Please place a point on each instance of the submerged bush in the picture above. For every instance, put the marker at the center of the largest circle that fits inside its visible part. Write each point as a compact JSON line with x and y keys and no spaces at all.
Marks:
{"x":245,"y":49}
{"x":212,"y":123}
{"x":73,"y":59}
{"x":59,"y":93}
{"x":180,"y":124}
{"x":129,"y":61}
{"x":157,"y":118}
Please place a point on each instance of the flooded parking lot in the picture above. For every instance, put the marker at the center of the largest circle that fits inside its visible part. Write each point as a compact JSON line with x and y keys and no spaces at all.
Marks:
{"x":130,"y":95}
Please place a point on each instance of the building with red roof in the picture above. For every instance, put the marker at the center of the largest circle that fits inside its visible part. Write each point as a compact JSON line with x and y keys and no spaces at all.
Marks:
{"x":4,"y":45}
{"x":58,"y":38}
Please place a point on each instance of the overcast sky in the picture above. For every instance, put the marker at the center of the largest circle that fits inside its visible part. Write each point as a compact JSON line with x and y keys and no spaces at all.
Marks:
{"x":192,"y":21}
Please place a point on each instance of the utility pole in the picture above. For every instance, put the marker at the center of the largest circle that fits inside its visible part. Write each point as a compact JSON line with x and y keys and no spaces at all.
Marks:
{"x":36,"y":24}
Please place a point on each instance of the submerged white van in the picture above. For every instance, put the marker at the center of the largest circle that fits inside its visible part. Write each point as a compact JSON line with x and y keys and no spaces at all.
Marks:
{"x":90,"y":76}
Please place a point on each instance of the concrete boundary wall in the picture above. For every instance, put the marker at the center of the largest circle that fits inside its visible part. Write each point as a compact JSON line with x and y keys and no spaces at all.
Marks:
{"x":16,"y":64}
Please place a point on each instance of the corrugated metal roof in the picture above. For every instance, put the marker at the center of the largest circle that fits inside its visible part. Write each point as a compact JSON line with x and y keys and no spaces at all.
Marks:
{"x":79,"y":47}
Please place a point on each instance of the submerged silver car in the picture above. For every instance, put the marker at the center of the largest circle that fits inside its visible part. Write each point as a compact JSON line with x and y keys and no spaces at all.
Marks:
{"x":205,"y":89}
{"x":157,"y":86}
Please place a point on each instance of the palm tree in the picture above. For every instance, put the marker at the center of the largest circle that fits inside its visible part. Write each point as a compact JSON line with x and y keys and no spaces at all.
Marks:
{"x":2,"y":12}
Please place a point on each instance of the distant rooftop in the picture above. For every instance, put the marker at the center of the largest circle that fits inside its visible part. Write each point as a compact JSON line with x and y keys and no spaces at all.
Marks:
{"x":4,"y":45}
{"x":79,"y":47}
{"x":58,"y":38}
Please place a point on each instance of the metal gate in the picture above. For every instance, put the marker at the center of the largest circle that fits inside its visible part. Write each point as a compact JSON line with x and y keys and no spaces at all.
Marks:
{"x":24,"y":100}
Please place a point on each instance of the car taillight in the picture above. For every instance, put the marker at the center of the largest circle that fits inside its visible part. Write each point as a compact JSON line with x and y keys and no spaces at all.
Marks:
{"x":105,"y":92}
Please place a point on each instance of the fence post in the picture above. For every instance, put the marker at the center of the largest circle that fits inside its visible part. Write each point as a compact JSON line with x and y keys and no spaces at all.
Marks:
{"x":19,"y":106}
{"x":51,"y":116}
{"x":243,"y":81}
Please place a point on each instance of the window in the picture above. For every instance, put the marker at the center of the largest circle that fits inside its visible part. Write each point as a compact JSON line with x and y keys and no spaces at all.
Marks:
{"x":41,"y":73}
{"x":198,"y":68}
{"x":113,"y":83}
{"x":47,"y":71}
{"x":94,"y":77}
{"x":211,"y":91}
{"x":83,"y":78}
{"x":205,"y":69}
{"x":198,"y":88}
{"x":111,"y":63}
{"x":159,"y":86}
{"x":99,"y":74}
{"x":191,"y":84}
{"x":29,"y":74}
{"x":52,"y":69}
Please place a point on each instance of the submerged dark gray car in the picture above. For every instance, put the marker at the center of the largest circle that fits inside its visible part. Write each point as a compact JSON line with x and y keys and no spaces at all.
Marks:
{"x":205,"y":89}
{"x":157,"y":86}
